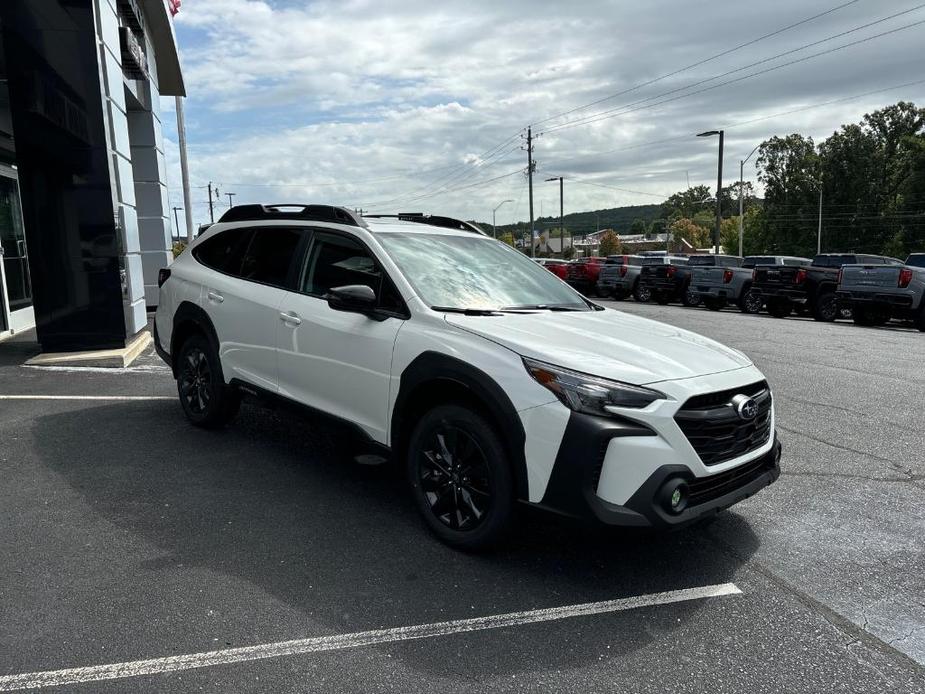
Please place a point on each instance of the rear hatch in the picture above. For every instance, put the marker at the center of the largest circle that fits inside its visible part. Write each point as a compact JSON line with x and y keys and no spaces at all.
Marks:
{"x":860,"y":277}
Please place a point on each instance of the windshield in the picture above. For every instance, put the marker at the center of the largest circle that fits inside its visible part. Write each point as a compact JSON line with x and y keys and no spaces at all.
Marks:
{"x":475,"y":272}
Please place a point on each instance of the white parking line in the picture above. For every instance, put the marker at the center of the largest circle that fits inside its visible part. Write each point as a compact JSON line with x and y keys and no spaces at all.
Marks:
{"x":88,"y":397}
{"x":176,"y":663}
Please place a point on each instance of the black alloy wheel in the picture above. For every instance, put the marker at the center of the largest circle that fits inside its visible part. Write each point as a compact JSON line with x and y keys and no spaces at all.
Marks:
{"x":460,"y":477}
{"x":206,"y":400}
{"x":642,"y":293}
{"x":751,"y":301}
{"x":689,"y":298}
{"x":825,"y":307}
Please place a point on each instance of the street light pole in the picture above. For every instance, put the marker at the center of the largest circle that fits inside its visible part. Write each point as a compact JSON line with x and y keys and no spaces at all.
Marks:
{"x":561,"y":213}
{"x":494,"y":232}
{"x":741,"y":195}
{"x":819,"y":233}
{"x":719,"y":186}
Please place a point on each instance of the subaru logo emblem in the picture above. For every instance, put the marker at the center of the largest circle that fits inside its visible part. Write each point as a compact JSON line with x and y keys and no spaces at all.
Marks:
{"x":745,"y":407}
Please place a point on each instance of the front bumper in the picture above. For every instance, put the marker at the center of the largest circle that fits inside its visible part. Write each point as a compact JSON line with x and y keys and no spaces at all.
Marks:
{"x":161,"y":352}
{"x":616,"y":470}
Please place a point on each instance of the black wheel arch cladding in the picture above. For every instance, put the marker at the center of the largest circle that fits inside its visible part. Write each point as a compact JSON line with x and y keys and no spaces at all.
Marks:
{"x":430,"y":368}
{"x":190,"y":318}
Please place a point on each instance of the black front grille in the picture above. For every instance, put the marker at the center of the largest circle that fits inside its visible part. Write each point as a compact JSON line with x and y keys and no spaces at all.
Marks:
{"x":704,"y":489}
{"x":715,"y":429}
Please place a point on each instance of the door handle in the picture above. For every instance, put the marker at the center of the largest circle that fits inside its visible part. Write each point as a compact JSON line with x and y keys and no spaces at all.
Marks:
{"x":290,"y":318}
{"x":216,"y":297}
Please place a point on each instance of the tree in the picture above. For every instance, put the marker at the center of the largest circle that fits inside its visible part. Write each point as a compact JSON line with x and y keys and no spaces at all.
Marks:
{"x":729,"y":235}
{"x":568,"y":252}
{"x":685,"y":203}
{"x":688,"y":230}
{"x":789,"y":168}
{"x":610,"y":244}
{"x":507,"y":238}
{"x":638,"y":226}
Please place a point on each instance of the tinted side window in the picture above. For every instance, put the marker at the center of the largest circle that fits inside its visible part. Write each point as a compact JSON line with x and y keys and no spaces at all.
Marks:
{"x":269,"y":255}
{"x":796,"y":262}
{"x":224,"y":251}
{"x":337,"y":261}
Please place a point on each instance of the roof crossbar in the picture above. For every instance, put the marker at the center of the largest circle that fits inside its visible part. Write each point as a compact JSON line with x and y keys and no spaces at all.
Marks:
{"x":433,"y":220}
{"x":314,"y":213}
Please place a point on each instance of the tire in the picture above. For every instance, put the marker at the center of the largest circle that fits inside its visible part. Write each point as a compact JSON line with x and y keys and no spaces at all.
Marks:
{"x":460,"y":478}
{"x":689,"y":299}
{"x":825,"y":307}
{"x":750,"y":301}
{"x":204,"y":397}
{"x":920,"y":319}
{"x":642,"y":293}
{"x":779,"y":308}
{"x":714,"y":304}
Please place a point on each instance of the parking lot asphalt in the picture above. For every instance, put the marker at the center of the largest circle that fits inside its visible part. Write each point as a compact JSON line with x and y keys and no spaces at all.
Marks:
{"x":128,"y":535}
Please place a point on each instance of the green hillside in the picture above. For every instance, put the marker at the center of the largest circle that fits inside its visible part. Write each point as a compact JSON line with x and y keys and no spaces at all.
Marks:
{"x":580,"y":223}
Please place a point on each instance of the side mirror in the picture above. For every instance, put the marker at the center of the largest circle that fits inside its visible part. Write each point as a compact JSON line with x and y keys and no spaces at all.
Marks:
{"x":357,"y":298}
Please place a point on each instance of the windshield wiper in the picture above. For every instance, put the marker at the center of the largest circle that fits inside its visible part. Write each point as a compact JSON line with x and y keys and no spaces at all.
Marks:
{"x":543,"y":307}
{"x":468,"y":311}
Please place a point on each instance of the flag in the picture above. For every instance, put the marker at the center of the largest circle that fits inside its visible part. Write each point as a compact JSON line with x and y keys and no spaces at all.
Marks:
{"x":173,"y":6}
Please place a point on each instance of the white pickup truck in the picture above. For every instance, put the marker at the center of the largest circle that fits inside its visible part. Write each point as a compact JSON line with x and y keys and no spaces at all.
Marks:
{"x":878,"y":293}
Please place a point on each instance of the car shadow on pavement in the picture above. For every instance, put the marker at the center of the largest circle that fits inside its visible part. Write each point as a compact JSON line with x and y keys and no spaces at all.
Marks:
{"x":273,"y":501}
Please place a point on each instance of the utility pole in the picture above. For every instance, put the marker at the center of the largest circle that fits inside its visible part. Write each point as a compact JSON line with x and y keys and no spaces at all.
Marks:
{"x":494,"y":231}
{"x":819,"y":234}
{"x":741,"y":196}
{"x":211,"y":213}
{"x":230,"y":195}
{"x":719,"y":187}
{"x":176,"y":221}
{"x":184,"y":169}
{"x":530,"y":183}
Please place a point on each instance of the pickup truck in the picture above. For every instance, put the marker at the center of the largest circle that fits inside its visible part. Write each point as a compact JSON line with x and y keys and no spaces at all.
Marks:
{"x":582,"y":273}
{"x":620,"y":279}
{"x":877,"y":293}
{"x":557,"y":267}
{"x":782,"y":287}
{"x":672,"y":282}
{"x":732,"y":283}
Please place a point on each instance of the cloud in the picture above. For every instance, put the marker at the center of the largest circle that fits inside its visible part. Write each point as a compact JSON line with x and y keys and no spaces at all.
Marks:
{"x":420,"y":104}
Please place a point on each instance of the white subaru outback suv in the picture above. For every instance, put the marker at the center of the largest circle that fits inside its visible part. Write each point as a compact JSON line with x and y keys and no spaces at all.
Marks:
{"x":490,"y":379}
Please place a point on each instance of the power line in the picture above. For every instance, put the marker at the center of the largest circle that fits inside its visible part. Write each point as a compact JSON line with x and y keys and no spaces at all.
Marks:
{"x":697,"y":64}
{"x":628,"y":108}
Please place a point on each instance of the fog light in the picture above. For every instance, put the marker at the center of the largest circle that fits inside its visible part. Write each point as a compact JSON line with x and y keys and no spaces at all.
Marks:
{"x":676,"y":498}
{"x":673,"y":495}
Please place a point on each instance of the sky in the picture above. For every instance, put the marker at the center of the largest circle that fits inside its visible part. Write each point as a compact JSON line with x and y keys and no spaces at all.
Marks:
{"x":423,"y":106}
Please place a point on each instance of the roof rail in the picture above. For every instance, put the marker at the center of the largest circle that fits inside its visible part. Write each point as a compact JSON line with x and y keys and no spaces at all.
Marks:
{"x":314,"y":213}
{"x":433,"y":220}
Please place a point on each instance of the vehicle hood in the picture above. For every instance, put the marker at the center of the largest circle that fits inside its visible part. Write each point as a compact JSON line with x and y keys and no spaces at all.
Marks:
{"x":611,"y":344}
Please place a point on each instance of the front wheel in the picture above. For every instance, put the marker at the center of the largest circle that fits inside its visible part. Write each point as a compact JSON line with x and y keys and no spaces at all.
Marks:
{"x":750,"y":301}
{"x":460,"y":477}
{"x":825,"y":307}
{"x":689,"y":299}
{"x":642,"y":293}
{"x":206,"y":400}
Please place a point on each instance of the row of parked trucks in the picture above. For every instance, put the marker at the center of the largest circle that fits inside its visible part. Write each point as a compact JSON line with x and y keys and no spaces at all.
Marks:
{"x":871,"y":289}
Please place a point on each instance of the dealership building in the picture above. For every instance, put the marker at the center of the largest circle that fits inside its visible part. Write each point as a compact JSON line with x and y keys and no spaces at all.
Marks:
{"x":84,"y":213}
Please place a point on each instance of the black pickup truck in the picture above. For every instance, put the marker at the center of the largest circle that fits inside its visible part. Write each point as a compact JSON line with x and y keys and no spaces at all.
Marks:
{"x":672,"y":282}
{"x":812,"y":287}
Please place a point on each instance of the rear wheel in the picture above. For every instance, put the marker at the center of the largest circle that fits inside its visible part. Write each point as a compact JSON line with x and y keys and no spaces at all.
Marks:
{"x":641,"y":292}
{"x":779,"y":308}
{"x":460,"y":477}
{"x":206,"y":400}
{"x":688,"y":298}
{"x":825,"y":307}
{"x":750,"y":301}
{"x":714,"y":304}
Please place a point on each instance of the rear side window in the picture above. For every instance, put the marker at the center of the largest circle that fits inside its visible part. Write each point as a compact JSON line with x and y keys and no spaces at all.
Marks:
{"x":834,"y":260}
{"x":224,"y":251}
{"x":701,"y":260}
{"x":269,"y":256}
{"x":753,"y":260}
{"x":797,"y":262}
{"x":634,"y":261}
{"x":917,"y":260}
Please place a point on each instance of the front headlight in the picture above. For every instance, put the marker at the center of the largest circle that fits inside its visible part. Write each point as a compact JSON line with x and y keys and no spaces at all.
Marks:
{"x":589,"y":394}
